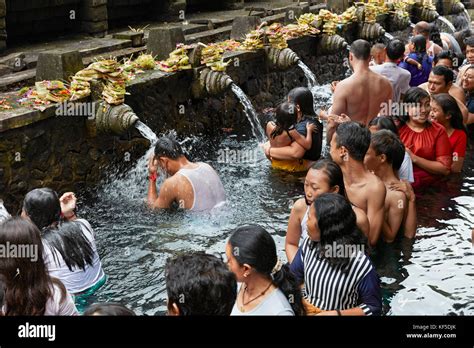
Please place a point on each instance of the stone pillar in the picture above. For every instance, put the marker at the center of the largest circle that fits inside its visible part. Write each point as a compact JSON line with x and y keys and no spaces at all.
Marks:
{"x":338,"y":6}
{"x":162,"y":41}
{"x":94,"y":17}
{"x":3,"y":30}
{"x":58,"y":65}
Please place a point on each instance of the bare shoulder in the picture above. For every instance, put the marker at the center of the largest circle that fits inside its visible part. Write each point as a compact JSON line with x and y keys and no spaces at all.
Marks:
{"x":376,"y":186}
{"x":299,"y":207}
{"x":424,"y":86}
{"x":395,"y":197}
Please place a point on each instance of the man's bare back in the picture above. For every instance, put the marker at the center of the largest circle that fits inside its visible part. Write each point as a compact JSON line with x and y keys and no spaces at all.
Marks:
{"x":361,"y":95}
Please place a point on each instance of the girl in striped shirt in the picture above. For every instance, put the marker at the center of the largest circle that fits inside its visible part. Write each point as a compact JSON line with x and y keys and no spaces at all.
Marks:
{"x":338,"y":276}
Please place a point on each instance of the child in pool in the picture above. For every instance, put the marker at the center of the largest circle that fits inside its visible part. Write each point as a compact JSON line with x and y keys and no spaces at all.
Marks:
{"x":282,"y":132}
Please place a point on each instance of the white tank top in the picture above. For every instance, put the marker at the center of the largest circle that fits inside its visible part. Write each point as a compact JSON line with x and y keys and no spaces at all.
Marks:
{"x":304,"y":227}
{"x":207,"y":186}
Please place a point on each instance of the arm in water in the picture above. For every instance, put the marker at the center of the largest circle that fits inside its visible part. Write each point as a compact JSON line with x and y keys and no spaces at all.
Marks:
{"x":167,"y":192}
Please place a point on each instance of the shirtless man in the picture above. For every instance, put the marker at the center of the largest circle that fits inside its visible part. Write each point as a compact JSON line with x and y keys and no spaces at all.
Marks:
{"x":423,"y":28}
{"x":193,"y":186}
{"x":384,"y":158}
{"x":361,"y":95}
{"x":441,"y":81}
{"x":365,"y":190}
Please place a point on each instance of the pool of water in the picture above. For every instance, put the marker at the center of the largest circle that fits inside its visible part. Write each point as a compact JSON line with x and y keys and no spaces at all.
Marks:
{"x":431,"y":275}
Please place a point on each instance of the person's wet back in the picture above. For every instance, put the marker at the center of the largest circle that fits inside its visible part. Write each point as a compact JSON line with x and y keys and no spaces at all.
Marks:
{"x":193,"y":186}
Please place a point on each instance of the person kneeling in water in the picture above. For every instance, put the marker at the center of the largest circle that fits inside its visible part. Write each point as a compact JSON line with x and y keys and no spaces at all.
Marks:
{"x":194,"y":186}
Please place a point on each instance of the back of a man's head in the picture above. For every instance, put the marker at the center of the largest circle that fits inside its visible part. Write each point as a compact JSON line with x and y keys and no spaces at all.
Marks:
{"x":395,"y":49}
{"x":361,"y":49}
{"x":200,"y":284}
{"x":422,"y":28}
{"x":168,"y":147}
{"x":441,"y":70}
{"x":355,"y":138}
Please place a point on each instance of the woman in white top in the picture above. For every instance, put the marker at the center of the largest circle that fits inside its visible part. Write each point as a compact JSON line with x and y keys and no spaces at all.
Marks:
{"x":29,"y":289}
{"x":265,"y":288}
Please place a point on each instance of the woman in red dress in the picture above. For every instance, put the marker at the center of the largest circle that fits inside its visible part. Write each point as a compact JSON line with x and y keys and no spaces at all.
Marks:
{"x":445,"y":111}
{"x":427,"y":143}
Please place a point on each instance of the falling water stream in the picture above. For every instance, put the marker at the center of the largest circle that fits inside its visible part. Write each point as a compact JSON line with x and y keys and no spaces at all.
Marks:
{"x":448,"y":23}
{"x":312,"y":81}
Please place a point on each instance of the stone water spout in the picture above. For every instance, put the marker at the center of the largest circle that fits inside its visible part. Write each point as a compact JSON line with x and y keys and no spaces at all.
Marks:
{"x":114,"y":118}
{"x":423,"y":13}
{"x":371,"y":31}
{"x":214,"y":82}
{"x":330,"y":44}
{"x":281,"y":59}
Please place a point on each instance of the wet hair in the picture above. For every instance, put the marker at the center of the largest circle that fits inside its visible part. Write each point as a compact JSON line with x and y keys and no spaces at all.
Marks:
{"x":447,"y":73}
{"x":168,"y":147}
{"x":333,"y":172}
{"x":337,"y":224}
{"x":445,"y":54}
{"x":69,"y":241}
{"x":203,"y":281}
{"x":419,"y":41}
{"x":285,"y":118}
{"x":384,"y":123}
{"x":414,"y":95}
{"x":257,"y":248}
{"x":449,"y":106}
{"x":395,"y":49}
{"x":42,"y":207}
{"x":27,"y":282}
{"x":469,"y":41}
{"x":377,"y":47}
{"x":108,"y":309}
{"x":435,"y":35}
{"x":385,"y":142}
{"x":360,"y":49}
{"x":355,"y":137}
{"x":302,"y":97}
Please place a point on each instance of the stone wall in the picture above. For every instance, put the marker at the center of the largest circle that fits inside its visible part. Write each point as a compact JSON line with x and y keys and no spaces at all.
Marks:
{"x":3,"y":25}
{"x":60,"y":153}
{"x":124,"y":12}
{"x":33,"y":20}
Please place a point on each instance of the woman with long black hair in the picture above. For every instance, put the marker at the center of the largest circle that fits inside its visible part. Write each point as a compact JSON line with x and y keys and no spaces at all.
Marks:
{"x":29,"y":288}
{"x":266,"y":286}
{"x":338,"y":276}
{"x":70,"y":252}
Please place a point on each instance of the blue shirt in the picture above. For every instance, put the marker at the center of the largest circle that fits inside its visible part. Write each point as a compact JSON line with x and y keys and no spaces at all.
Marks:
{"x":314,"y":153}
{"x":418,"y":76}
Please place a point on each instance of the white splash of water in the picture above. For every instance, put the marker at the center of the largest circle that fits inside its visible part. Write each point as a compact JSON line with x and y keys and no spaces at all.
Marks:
{"x":146,"y":132}
{"x":448,"y":23}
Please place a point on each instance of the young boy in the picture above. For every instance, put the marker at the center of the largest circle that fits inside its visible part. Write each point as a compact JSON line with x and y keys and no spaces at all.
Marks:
{"x":378,"y":54}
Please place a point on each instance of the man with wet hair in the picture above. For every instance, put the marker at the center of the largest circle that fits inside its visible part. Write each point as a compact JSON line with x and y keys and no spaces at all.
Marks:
{"x":362,"y":95}
{"x":364,"y":189}
{"x":424,"y":28}
{"x":441,"y":81}
{"x":199,"y":284}
{"x":398,"y":77}
{"x":193,"y":186}
{"x":385,"y":157}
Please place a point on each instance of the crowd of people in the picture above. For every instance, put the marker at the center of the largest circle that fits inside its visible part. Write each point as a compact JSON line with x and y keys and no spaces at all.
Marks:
{"x":396,"y":127}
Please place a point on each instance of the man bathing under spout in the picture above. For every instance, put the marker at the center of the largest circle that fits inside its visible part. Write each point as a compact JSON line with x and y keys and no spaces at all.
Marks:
{"x":193,"y":186}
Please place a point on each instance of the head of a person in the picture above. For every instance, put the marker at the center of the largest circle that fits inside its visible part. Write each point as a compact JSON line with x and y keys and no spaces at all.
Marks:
{"x":444,"y":58}
{"x":422,"y":28}
{"x":323,"y":176}
{"x":461,"y":36}
{"x":251,"y":254}
{"x":332,"y":221}
{"x":381,"y":122}
{"x":285,"y":118}
{"x":26,"y":280}
{"x":435,"y":35}
{"x":303,"y":99}
{"x":199,"y":284}
{"x":418,"y":44}
{"x":417,"y":105}
{"x":42,"y":207}
{"x":359,"y":52}
{"x":378,"y":53}
{"x":469,"y":42}
{"x":445,"y":110}
{"x":467,"y":79}
{"x":350,"y":141}
{"x":395,"y":50}
{"x":440,"y":80}
{"x":168,"y":152}
{"x":385,"y":149}
{"x":108,"y":309}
